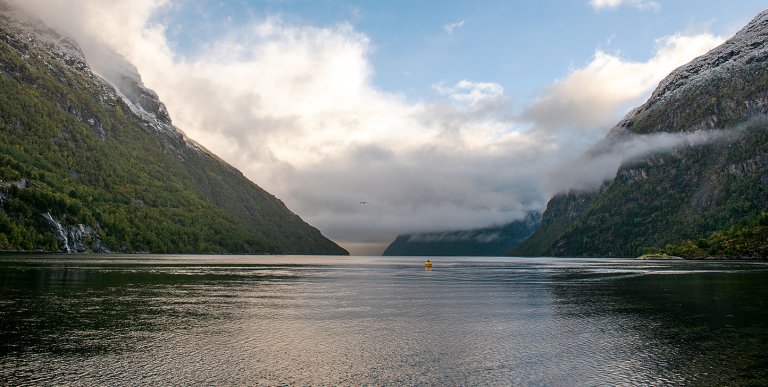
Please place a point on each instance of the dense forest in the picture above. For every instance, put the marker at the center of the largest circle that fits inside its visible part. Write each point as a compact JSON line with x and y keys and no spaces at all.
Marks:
{"x":660,"y":200}
{"x":747,"y":240}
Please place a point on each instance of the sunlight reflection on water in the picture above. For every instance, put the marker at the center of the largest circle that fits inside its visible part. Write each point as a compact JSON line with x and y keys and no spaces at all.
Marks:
{"x":358,"y":320}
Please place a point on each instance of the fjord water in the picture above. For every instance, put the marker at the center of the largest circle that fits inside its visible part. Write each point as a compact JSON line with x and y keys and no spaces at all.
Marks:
{"x":356,"y":320}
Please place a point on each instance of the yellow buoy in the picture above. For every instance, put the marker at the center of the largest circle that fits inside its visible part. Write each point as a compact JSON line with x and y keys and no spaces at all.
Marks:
{"x":428,"y":265}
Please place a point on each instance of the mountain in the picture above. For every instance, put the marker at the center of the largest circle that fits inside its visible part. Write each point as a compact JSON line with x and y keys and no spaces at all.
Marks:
{"x":688,"y":195}
{"x":92,"y":165}
{"x":489,"y":241}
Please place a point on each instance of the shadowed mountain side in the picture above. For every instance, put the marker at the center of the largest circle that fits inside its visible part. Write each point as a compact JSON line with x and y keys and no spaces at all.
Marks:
{"x":489,"y":241}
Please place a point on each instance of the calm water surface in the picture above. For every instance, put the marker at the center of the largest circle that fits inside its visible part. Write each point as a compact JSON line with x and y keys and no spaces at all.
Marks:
{"x":356,"y":320}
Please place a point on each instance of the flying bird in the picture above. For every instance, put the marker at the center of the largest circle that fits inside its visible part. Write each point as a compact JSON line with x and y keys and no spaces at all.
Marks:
{"x":363,"y":202}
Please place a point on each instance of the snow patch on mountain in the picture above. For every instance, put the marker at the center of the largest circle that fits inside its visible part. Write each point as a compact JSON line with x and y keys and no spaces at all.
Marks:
{"x":118,"y":78}
{"x":749,"y":45}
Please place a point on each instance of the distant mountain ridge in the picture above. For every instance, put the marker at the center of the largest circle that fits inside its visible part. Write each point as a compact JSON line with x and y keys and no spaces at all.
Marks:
{"x":487,"y":241}
{"x":90,"y":165}
{"x":693,"y":191}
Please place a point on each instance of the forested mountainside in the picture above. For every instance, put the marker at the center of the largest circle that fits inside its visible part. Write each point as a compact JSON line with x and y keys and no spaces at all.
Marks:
{"x":85,"y":166}
{"x":488,"y":241}
{"x":701,"y":199}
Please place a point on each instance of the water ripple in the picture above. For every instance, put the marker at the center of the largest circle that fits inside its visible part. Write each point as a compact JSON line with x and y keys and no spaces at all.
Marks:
{"x":499,"y":321}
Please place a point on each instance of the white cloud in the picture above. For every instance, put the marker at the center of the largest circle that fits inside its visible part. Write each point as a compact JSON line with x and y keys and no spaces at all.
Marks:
{"x":601,"y":163}
{"x":593,"y":97}
{"x":472,"y":93}
{"x":639,"y":4}
{"x":294,"y":108}
{"x":450,"y":27}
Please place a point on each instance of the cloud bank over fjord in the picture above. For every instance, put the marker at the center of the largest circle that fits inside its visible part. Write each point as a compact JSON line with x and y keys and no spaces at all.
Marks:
{"x":295,"y":109}
{"x":601,"y":163}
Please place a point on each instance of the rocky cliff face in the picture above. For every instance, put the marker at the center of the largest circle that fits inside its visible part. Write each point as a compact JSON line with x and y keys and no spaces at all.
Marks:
{"x":692,"y":190}
{"x":90,"y":161}
{"x":77,"y":238}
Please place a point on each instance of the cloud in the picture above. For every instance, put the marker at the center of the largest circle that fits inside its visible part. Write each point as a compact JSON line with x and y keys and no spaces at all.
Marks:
{"x":450,"y":27}
{"x":472,"y":93}
{"x":639,"y":4}
{"x":590,"y":170}
{"x":294,"y":108}
{"x":593,"y":97}
{"x":457,"y":236}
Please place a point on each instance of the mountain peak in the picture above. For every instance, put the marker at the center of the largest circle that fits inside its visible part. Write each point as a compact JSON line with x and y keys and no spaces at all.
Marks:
{"x":121,"y":79}
{"x":721,"y":77}
{"x":746,"y":46}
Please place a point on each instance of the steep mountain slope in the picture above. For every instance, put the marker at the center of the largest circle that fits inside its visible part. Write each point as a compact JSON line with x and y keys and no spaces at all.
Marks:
{"x":488,"y":241}
{"x":85,"y":166}
{"x":692,"y":191}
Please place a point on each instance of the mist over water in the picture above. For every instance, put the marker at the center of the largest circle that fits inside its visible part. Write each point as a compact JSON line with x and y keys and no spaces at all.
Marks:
{"x":354,"y":320}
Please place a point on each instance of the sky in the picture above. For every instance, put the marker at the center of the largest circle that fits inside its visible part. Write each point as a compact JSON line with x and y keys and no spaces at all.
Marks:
{"x":438,"y":115}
